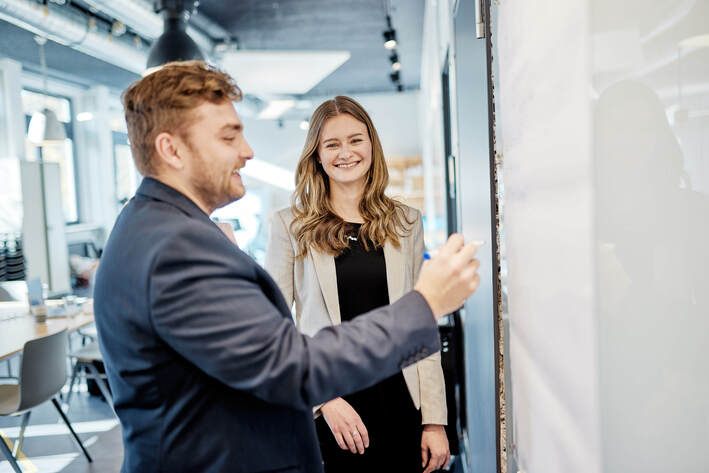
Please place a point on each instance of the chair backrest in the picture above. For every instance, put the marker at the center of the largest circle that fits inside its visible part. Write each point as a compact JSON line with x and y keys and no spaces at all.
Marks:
{"x":13,"y":291}
{"x":43,"y":369}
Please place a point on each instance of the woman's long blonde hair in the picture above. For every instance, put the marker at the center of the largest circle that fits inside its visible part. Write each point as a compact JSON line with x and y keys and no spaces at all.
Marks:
{"x":316,"y":224}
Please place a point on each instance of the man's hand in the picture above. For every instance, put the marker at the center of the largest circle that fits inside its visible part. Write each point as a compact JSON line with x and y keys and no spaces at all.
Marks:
{"x":434,"y":448}
{"x":450,"y":277}
{"x":346,"y":425}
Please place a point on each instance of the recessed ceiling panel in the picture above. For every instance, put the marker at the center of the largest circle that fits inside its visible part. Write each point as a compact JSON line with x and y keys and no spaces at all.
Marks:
{"x":269,"y":72}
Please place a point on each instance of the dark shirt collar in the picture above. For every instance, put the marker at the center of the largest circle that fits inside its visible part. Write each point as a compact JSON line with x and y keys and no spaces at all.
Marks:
{"x":154,"y":189}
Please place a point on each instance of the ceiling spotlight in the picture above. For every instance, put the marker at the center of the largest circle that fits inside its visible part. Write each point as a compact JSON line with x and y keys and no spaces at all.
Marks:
{"x":389,"y":35}
{"x":118,"y":28}
{"x":174,"y":44}
{"x":390,"y":39}
{"x":395,"y":64}
{"x":304,"y":125}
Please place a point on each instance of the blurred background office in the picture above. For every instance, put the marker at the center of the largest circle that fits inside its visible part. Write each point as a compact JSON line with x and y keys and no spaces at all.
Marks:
{"x":573,"y":137}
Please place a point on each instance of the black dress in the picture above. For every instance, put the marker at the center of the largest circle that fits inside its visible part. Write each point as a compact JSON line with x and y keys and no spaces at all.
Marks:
{"x":386,"y":409}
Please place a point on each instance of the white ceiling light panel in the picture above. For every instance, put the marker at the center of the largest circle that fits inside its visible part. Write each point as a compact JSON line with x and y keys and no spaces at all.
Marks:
{"x":275,"y":109}
{"x":281,"y":72}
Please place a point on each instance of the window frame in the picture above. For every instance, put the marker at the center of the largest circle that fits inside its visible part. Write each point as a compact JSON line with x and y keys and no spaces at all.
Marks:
{"x":69,"y":128}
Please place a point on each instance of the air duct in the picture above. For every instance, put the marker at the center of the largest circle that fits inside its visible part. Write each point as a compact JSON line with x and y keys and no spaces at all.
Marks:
{"x":140,"y":16}
{"x":64,"y":26}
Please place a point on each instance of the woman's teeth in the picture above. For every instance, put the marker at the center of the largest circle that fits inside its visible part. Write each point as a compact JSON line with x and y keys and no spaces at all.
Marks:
{"x":350,"y":165}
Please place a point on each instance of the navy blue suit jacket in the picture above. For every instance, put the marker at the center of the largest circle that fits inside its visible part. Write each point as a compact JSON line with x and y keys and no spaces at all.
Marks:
{"x":208,"y":371}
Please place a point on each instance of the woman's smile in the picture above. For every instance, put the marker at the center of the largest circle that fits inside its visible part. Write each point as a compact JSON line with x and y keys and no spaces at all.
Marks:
{"x":347,"y":165}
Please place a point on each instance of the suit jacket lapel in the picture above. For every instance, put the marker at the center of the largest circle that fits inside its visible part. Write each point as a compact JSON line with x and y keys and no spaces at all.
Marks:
{"x":327,"y":277}
{"x":396,"y":268}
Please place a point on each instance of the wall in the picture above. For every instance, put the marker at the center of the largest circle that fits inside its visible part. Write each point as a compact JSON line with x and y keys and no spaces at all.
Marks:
{"x":12,"y":145}
{"x":471,"y":146}
{"x":450,"y":42}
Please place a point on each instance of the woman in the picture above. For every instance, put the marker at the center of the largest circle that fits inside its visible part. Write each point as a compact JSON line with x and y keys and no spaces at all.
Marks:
{"x":342,"y":249}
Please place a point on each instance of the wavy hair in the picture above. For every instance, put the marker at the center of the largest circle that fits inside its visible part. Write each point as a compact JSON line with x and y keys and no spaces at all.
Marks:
{"x":315,"y":224}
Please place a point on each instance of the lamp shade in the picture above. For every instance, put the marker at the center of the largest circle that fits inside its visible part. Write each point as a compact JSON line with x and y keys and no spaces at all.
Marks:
{"x":45,"y":128}
{"x":173,"y":45}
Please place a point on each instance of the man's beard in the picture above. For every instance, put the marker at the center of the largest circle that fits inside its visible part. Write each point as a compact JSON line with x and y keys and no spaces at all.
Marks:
{"x":204,"y":184}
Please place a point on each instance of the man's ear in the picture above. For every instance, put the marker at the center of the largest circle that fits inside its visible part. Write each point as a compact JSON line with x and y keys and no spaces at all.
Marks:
{"x":169,"y":150}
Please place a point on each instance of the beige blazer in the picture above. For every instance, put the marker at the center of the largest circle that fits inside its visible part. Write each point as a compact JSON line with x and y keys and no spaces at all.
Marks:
{"x":311,"y":283}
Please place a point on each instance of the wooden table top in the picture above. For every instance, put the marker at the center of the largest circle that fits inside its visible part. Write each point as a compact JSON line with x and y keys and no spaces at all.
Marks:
{"x":15,"y":332}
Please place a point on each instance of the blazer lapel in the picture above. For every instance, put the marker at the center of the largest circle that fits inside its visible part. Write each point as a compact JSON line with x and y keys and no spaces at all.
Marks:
{"x":327,"y":277}
{"x":396,"y":268}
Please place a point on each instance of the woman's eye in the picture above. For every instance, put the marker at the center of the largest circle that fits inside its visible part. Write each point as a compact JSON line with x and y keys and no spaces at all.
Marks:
{"x":331,"y":146}
{"x":357,"y":140}
{"x":229,"y":138}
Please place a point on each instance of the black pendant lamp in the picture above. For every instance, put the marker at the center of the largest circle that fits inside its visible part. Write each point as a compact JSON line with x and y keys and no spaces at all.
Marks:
{"x":174,"y":44}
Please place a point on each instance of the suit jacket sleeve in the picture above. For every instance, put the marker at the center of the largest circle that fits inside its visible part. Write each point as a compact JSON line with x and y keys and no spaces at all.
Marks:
{"x":216,"y":308}
{"x":280,"y":257}
{"x":431,"y":382}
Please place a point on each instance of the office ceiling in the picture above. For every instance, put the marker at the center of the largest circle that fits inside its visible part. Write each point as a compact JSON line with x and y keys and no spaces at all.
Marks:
{"x":355,"y":26}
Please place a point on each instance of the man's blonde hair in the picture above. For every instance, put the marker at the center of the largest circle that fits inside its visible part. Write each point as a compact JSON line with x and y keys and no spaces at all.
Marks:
{"x":163,"y":101}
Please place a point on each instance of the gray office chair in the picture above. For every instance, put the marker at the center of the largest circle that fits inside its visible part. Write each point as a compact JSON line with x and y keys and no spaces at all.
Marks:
{"x":84,"y":358}
{"x":42,"y":375}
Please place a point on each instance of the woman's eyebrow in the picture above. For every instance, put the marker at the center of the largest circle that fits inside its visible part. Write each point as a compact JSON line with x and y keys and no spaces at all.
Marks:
{"x":351,"y":136}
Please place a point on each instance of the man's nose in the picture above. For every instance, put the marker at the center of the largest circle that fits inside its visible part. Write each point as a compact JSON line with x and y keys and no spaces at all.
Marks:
{"x":246,"y":151}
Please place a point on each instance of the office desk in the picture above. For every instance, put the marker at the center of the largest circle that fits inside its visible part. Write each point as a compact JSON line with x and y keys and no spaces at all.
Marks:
{"x":15,"y":332}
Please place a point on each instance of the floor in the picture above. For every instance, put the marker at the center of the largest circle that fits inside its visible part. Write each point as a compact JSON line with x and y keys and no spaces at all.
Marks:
{"x":48,"y":446}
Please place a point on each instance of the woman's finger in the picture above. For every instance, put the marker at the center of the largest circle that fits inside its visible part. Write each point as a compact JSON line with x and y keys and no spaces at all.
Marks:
{"x":351,"y":446}
{"x":359,"y":443}
{"x":424,"y":456}
{"x":363,"y":432}
{"x":340,"y":441}
{"x":438,"y":462}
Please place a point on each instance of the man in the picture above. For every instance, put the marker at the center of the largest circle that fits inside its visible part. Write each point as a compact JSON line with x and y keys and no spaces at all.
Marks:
{"x":208,"y":371}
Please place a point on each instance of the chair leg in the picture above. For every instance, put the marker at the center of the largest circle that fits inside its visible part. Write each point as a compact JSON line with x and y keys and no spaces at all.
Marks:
{"x":74,"y":373}
{"x":71,"y":429}
{"x":101,"y":384}
{"x":6,"y":451}
{"x":23,"y":426}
